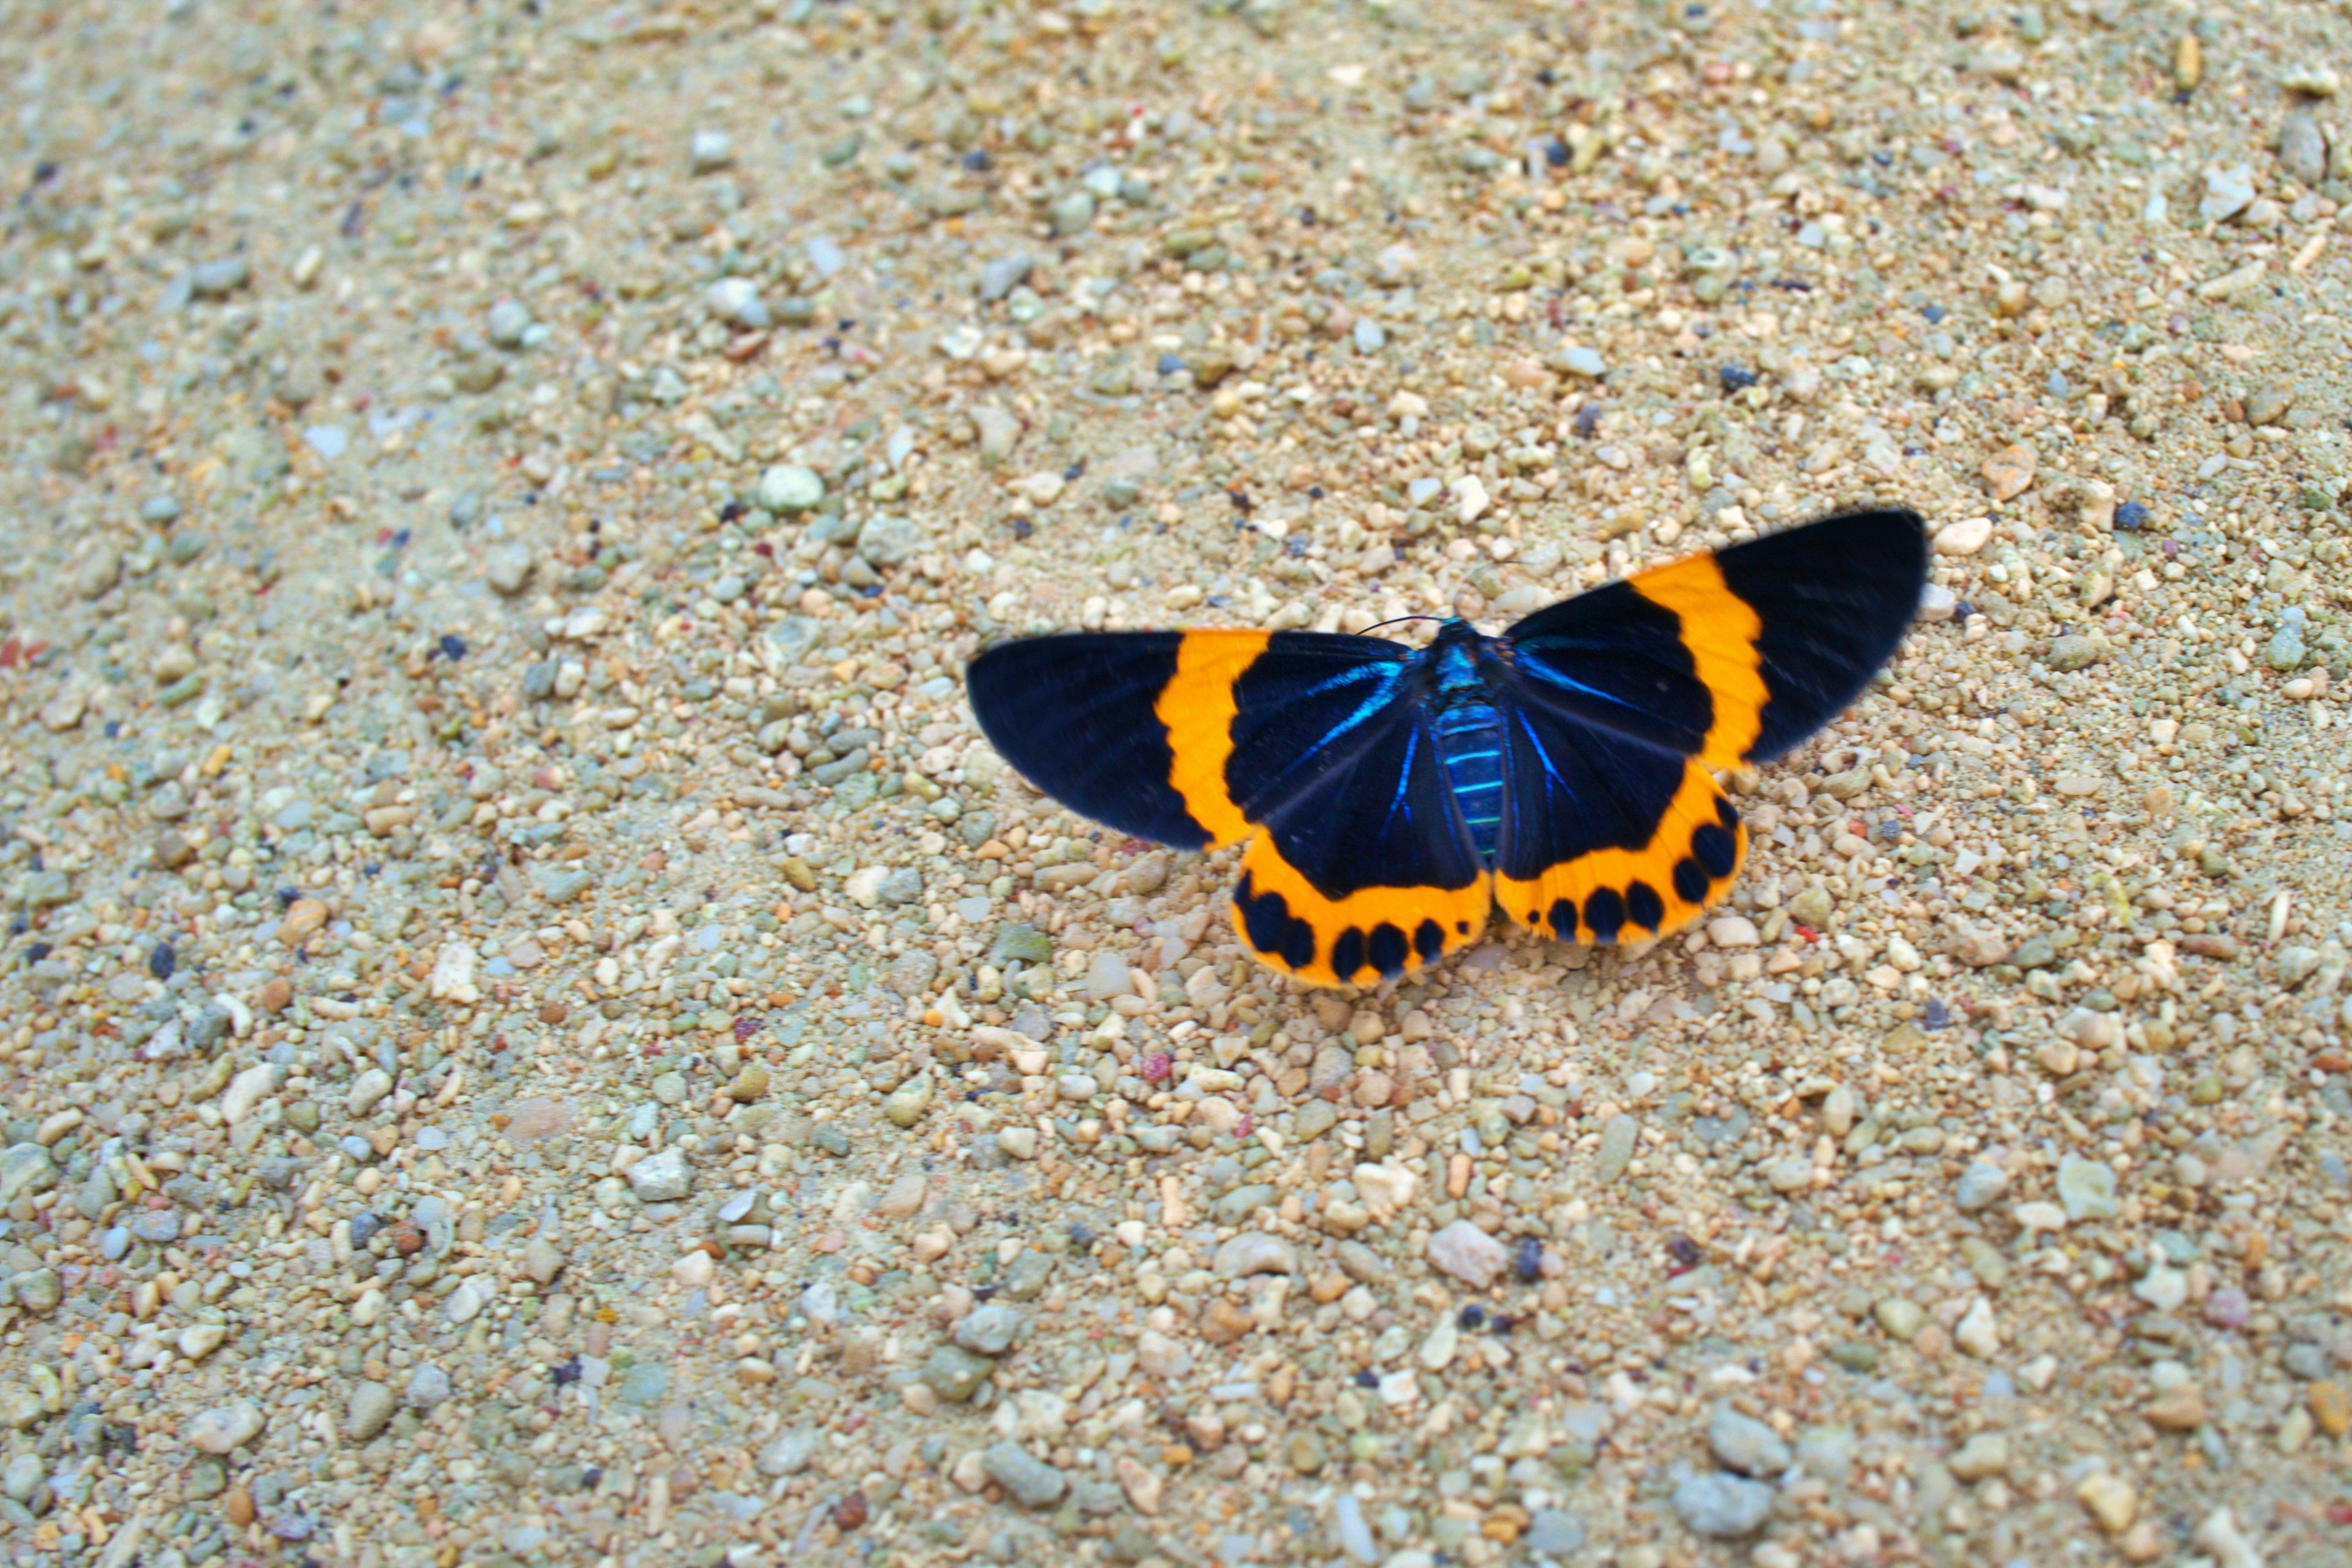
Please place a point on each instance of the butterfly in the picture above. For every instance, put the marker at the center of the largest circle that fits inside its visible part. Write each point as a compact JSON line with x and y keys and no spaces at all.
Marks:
{"x":1393,"y":797}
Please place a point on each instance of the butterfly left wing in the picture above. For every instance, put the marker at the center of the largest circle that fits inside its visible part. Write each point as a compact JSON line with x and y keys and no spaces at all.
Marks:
{"x":1364,"y":868}
{"x":1621,"y":703}
{"x":1313,"y":742}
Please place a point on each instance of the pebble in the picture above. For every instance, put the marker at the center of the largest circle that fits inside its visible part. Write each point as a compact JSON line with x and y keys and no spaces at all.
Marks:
{"x":1468,"y":1253}
{"x":955,"y":1374}
{"x":1964,"y":538}
{"x":1985,"y":1454}
{"x":1352,"y":1533}
{"x":2219,"y":1533}
{"x":736,"y":301}
{"x":1725,"y":1507}
{"x":1004,"y":274}
{"x":1900,"y":1317}
{"x":1979,"y":1331}
{"x":661,"y":1178}
{"x":1616,"y":1151}
{"x":1747,"y":1445}
{"x":1254,"y":1252}
{"x":989,"y":1329}
{"x":2007,"y":473}
{"x":1029,"y":1480}
{"x":1981,"y":1184}
{"x":2163,"y":1287}
{"x":2087,"y":1189}
{"x":223,"y":1428}
{"x":789,"y":488}
{"x":2228,"y":192}
{"x":2111,"y":1500}
{"x":369,"y":1410}
{"x":2330,"y":1405}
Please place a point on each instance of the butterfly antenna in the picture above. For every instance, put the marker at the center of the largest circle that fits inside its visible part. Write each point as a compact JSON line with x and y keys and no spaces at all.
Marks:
{"x":1395,"y":621}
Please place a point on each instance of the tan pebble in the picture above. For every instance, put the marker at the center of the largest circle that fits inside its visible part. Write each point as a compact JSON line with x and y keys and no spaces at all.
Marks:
{"x":274,"y":994}
{"x":303,"y":918}
{"x":2142,"y":1542}
{"x":1143,"y":1485}
{"x":2330,"y":1406}
{"x":1965,"y":537}
{"x":2112,"y":1500}
{"x":1224,"y":1323}
{"x":236,"y":1507}
{"x":2180,"y":1410}
{"x":2009,"y":470}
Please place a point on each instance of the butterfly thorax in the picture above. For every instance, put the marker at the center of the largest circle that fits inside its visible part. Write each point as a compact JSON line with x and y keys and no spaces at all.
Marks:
{"x":1469,"y":734}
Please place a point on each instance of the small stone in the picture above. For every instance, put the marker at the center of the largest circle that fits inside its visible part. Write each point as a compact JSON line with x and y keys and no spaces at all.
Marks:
{"x":223,"y":1428}
{"x":2177,"y":1409}
{"x":2330,"y":1406}
{"x":661,"y":1178}
{"x":2227,"y":193}
{"x":989,"y":1329}
{"x":214,"y":279}
{"x":1003,"y":275}
{"x":1468,"y":1253}
{"x":1617,"y":1136}
{"x":1984,"y":1454}
{"x":1732,"y":930}
{"x":2220,"y":1535}
{"x":26,"y":1169}
{"x":1978,"y":1331}
{"x":1724,"y":1507}
{"x":789,"y":1452}
{"x":1470,"y":498}
{"x":1255,"y":1252}
{"x":2268,"y":405}
{"x":1073,"y":213}
{"x":955,"y":1374}
{"x":2087,"y":1189}
{"x":301,"y":921}
{"x":1553,"y":1532}
{"x":889,"y":541}
{"x":710,"y":151}
{"x":2008,"y":471}
{"x":369,"y":1410}
{"x":789,"y":486}
{"x":467,"y":1301}
{"x":1747,"y":1445}
{"x":2076,"y":651}
{"x":2285,"y":650}
{"x":1965,"y":537}
{"x":999,"y":431}
{"x":2111,"y":1500}
{"x":1583,"y":362}
{"x":428,"y":1387}
{"x":2163,"y":1287}
{"x":1029,"y":1480}
{"x":1979,"y":1186}
{"x":736,"y":301}
{"x":1900,"y":1317}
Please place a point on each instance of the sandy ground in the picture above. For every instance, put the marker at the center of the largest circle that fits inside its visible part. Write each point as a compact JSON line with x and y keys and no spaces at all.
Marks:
{"x":533,"y":1030}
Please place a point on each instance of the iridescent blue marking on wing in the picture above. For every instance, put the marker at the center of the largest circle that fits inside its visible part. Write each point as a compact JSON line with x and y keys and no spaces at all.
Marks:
{"x":1333,"y":753}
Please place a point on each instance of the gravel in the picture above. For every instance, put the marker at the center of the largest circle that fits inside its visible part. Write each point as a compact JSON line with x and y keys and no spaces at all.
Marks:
{"x":534,"y":1020}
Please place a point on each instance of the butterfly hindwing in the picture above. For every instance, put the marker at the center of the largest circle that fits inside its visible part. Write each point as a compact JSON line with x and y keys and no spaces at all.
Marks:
{"x":1620,"y":703}
{"x":1363,"y":868}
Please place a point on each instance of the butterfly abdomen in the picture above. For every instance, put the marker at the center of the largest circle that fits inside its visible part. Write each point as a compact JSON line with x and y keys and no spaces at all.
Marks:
{"x":1470,"y":740}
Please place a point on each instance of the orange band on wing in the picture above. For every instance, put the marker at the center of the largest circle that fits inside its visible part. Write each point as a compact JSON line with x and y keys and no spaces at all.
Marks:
{"x":1689,"y":863}
{"x":1720,"y":629}
{"x":1370,"y":935}
{"x":1197,"y":706}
